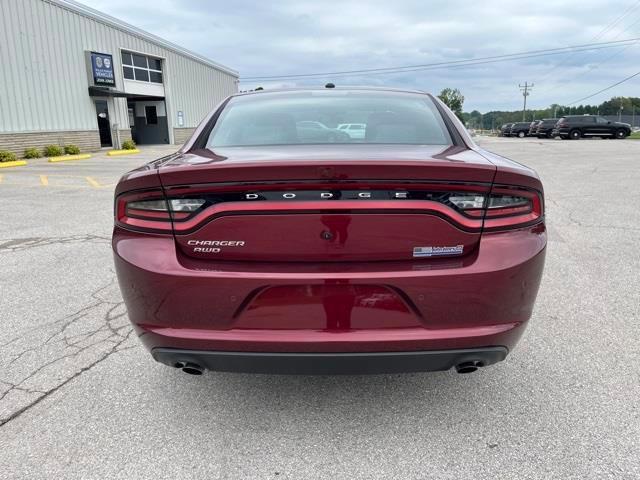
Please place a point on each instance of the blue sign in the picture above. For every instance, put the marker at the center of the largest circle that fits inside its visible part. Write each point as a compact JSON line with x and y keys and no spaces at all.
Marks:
{"x":102,"y":69}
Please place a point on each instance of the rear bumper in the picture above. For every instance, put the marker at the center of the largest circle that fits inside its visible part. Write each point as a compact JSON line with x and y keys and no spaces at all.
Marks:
{"x":330,"y":363}
{"x":483,"y":299}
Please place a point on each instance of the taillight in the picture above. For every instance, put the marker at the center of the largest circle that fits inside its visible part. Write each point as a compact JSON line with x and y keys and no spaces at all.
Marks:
{"x":146,"y":210}
{"x":511,"y":207}
{"x":506,"y":207}
{"x":150,"y":211}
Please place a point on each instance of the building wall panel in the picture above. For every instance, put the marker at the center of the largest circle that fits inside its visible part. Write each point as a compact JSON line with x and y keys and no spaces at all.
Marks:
{"x":43,"y":80}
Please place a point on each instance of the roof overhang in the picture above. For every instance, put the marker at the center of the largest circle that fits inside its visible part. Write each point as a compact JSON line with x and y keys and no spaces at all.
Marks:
{"x":112,"y":92}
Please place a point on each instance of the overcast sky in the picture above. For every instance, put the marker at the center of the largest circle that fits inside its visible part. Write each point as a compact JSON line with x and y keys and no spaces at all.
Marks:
{"x":304,"y":36}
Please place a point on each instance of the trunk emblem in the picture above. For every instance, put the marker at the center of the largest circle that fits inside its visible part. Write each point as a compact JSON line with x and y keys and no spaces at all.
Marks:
{"x":332,"y":195}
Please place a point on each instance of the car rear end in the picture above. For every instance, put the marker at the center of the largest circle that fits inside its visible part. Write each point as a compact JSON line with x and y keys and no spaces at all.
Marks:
{"x":562,"y":128}
{"x":510,"y":132}
{"x":533,"y":128}
{"x":520,"y":129}
{"x":545,"y":128}
{"x":351,"y":258}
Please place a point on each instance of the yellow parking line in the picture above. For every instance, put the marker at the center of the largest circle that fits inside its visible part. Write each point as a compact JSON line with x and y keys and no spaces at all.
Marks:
{"x":93,"y":182}
{"x":44,"y":181}
{"x":20,"y":184}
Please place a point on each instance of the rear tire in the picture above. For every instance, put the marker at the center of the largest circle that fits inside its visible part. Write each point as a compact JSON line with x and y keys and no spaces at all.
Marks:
{"x":621,"y":134}
{"x":520,"y":134}
{"x":575,"y":135}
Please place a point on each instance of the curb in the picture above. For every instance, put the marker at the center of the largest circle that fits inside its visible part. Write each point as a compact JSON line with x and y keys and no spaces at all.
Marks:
{"x":15,"y":163}
{"x":112,"y":153}
{"x":66,"y":158}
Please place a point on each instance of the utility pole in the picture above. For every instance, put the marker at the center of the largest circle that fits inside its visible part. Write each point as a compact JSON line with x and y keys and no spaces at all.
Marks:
{"x":525,"y":93}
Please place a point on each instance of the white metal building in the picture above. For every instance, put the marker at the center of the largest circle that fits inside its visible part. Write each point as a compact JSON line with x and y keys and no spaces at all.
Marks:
{"x":71,"y":74}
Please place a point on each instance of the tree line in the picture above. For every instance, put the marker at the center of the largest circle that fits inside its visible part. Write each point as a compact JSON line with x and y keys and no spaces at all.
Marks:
{"x":495,"y":119}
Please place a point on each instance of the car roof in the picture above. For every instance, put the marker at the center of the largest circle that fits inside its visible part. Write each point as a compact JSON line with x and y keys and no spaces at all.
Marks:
{"x":324,"y":89}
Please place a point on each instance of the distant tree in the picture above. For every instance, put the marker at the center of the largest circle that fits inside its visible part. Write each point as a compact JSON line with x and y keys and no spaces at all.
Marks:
{"x":611,"y":107}
{"x":473,"y":119}
{"x":454,"y":100}
{"x":496,"y":118}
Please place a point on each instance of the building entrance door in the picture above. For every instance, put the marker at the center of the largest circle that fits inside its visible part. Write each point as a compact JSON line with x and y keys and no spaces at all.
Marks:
{"x":149,"y":125}
{"x":104,"y":126}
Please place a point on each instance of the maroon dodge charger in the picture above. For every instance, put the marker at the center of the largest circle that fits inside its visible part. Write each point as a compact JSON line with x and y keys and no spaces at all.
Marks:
{"x":354,"y":230}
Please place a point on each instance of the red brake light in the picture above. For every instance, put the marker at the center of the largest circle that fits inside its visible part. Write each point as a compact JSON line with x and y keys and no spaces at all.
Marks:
{"x":510,"y":207}
{"x":150,"y":211}
{"x":147,"y":211}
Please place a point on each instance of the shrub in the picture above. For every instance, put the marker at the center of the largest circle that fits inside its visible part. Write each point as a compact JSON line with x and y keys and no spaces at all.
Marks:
{"x":32,"y":152}
{"x":53,"y":151}
{"x":128,"y":145}
{"x":7,"y":156}
{"x":71,"y":149}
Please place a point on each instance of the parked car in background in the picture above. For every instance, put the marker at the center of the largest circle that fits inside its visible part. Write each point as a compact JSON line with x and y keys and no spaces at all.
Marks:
{"x":578,"y":126}
{"x":354,"y":130}
{"x":505,"y":129}
{"x":520,"y":129}
{"x":533,"y":128}
{"x":545,"y":127}
{"x":256,"y":249}
{"x":318,"y":131}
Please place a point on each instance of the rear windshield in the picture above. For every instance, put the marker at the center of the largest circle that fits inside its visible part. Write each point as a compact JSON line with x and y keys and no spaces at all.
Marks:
{"x":316,"y":117}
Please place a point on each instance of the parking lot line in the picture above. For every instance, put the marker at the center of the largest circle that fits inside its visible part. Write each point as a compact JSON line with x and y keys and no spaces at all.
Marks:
{"x":57,"y":181}
{"x":93,"y":182}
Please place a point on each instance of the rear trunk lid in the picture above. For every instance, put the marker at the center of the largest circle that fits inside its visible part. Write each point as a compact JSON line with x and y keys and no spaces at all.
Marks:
{"x":312,"y":204}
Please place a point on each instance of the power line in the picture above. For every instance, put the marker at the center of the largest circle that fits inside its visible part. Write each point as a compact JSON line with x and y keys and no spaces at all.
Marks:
{"x":602,"y":59}
{"x":466,"y":62}
{"x":605,"y":89}
{"x":618,"y":20}
{"x":611,"y":57}
{"x":605,"y":30}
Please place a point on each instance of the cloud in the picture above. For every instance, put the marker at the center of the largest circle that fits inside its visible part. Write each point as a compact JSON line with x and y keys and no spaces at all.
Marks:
{"x":303,"y":36}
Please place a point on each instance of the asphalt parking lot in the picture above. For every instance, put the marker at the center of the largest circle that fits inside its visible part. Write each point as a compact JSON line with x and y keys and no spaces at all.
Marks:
{"x":80,"y":398}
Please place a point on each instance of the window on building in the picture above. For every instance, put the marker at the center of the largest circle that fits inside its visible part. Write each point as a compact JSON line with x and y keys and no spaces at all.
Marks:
{"x":141,"y":67}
